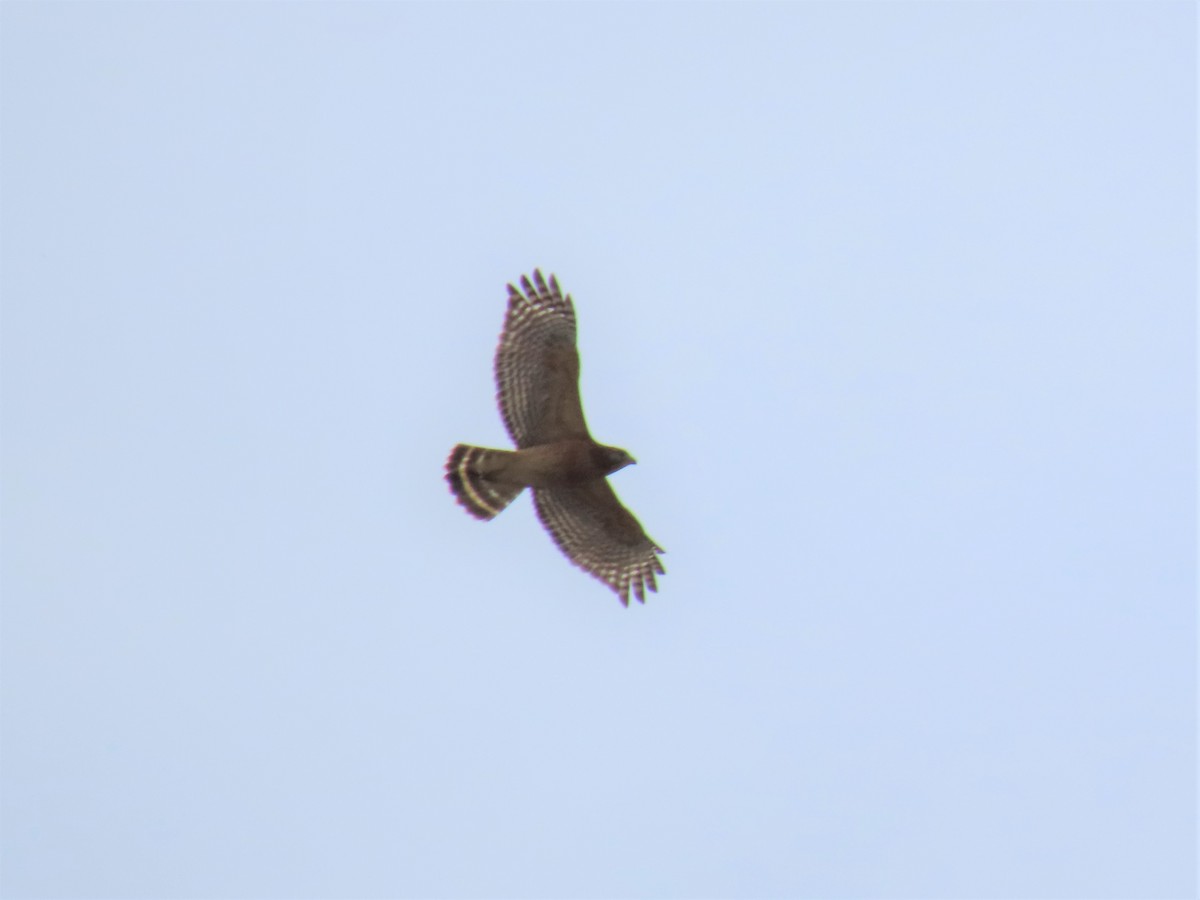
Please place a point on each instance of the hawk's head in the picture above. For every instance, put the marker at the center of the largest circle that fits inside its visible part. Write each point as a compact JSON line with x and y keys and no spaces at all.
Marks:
{"x":613,"y":458}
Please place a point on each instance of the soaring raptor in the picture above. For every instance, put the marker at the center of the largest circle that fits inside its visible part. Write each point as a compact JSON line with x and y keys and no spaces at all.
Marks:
{"x":537,"y":386}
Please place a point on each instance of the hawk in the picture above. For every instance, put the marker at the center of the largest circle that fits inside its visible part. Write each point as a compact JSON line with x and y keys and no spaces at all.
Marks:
{"x":537,"y":387}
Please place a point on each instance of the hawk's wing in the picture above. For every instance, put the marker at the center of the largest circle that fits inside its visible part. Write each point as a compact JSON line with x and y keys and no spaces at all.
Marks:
{"x":537,"y":366}
{"x":601,"y":536}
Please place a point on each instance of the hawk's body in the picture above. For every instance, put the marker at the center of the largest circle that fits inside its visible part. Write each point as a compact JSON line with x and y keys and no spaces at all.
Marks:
{"x":537,"y":381}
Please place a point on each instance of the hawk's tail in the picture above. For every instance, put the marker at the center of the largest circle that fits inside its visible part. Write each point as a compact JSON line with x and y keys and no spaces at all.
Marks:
{"x":479,"y":495}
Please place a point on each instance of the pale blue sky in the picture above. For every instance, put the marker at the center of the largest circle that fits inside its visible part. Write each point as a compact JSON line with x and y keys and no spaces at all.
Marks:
{"x":894,"y":304}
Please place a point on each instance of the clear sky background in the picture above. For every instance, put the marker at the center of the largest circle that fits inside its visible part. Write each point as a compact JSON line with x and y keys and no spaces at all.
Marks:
{"x":894,"y":304}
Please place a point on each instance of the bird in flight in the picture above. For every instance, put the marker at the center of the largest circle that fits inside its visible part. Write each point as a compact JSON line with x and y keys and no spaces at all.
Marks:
{"x":537,"y":387}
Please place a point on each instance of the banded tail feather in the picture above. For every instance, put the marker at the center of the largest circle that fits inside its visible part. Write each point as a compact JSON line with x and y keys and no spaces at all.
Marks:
{"x":467,"y":472}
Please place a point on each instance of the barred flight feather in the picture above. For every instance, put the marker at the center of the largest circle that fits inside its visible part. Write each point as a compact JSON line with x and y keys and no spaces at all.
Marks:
{"x":613,"y":549}
{"x":480,"y":496}
{"x":539,"y":334}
